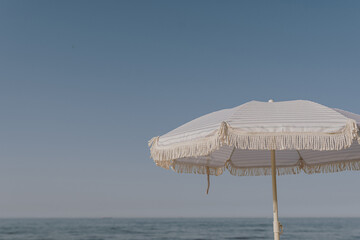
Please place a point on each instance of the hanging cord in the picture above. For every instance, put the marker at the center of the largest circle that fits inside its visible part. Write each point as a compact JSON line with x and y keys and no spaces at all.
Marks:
{"x":208,"y":179}
{"x":301,"y":162}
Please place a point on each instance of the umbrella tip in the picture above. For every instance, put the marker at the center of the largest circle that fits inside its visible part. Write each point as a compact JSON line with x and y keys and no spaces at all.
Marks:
{"x":271,"y":100}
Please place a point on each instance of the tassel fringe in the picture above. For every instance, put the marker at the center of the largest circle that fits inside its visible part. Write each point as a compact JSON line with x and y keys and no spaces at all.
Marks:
{"x":339,"y":166}
{"x":190,"y":168}
{"x":261,"y":171}
{"x":226,"y":135}
{"x":309,"y":141}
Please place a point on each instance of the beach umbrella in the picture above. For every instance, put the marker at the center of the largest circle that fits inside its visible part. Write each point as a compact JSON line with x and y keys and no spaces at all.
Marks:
{"x":263,"y":138}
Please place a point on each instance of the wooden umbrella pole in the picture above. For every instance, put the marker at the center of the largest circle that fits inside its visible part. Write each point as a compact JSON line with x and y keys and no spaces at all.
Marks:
{"x":277,"y":225}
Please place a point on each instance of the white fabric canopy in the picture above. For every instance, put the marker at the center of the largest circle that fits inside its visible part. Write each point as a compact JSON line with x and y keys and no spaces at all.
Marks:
{"x":310,"y":137}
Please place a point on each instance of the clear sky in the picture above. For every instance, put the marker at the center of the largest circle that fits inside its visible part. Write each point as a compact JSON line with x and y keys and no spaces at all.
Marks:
{"x":85,"y":84}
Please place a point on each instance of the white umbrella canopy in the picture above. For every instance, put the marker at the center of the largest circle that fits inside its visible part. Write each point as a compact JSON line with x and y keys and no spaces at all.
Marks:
{"x":312,"y":138}
{"x":309,"y":137}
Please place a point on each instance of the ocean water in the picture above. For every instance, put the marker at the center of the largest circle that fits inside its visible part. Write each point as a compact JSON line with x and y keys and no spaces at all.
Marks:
{"x":177,"y":228}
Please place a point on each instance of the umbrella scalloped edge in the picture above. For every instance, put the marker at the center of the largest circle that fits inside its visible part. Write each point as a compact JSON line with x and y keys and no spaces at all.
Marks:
{"x":226,"y":135}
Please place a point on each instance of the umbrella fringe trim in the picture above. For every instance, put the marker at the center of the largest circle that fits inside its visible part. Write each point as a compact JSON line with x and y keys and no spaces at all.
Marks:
{"x":190,"y":168}
{"x":349,"y":165}
{"x":298,"y":141}
{"x":339,"y":166}
{"x":260,"y":171}
{"x":200,"y":147}
{"x":226,"y":135}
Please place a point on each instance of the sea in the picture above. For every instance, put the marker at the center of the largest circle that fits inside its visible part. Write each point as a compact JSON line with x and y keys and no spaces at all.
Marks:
{"x":177,"y":228}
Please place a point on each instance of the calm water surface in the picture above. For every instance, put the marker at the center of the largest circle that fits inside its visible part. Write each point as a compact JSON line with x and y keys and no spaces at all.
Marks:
{"x":177,"y":228}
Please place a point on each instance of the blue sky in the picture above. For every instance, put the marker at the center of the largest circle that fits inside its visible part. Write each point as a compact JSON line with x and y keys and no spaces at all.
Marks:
{"x":85,"y":84}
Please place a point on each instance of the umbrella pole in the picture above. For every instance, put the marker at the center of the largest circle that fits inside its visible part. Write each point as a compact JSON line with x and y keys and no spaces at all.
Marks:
{"x":276,"y":222}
